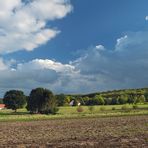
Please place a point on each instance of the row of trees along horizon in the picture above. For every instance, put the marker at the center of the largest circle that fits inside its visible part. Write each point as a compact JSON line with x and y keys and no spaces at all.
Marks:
{"x":44,"y":101}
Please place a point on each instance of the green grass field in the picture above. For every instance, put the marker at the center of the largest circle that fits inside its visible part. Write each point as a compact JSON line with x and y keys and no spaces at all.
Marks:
{"x":71,"y":112}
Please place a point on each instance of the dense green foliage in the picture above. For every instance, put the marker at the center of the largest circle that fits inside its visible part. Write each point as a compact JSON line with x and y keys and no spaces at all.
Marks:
{"x":115,"y":97}
{"x":61,"y":99}
{"x":42,"y":101}
{"x":14,"y":99}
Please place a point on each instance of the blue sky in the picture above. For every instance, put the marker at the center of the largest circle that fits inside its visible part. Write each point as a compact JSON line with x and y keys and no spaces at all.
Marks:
{"x":75,"y":46}
{"x":90,"y":23}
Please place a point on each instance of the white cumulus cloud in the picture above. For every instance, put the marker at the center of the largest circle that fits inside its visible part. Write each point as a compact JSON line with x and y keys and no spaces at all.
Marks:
{"x":23,"y":25}
{"x":3,"y":66}
{"x":38,"y":72}
{"x":97,"y":69}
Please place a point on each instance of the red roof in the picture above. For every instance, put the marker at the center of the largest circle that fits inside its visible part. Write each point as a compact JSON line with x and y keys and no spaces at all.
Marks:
{"x":2,"y":105}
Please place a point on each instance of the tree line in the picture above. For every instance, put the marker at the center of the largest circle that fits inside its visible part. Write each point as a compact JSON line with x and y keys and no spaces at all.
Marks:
{"x":115,"y":97}
{"x":101,"y":100}
{"x":43,"y":101}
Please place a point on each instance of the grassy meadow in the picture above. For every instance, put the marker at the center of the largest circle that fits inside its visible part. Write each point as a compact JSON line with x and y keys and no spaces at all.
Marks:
{"x":73,"y":112}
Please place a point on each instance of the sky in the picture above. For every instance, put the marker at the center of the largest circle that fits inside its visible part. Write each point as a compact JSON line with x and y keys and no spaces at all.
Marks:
{"x":73,"y":46}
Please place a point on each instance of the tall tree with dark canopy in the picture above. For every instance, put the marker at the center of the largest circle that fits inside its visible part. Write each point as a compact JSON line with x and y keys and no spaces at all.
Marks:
{"x":14,"y":99}
{"x":42,"y":101}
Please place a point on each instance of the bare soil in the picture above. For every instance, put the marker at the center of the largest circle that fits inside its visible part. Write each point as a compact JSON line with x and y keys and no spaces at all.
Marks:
{"x":107,"y":132}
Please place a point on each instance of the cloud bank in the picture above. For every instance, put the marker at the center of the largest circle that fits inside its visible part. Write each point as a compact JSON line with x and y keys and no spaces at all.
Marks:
{"x":23,"y":23}
{"x":23,"y":26}
{"x":126,"y":66}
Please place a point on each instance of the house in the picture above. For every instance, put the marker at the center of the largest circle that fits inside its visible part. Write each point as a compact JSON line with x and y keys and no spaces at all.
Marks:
{"x":2,"y":106}
{"x":72,"y":103}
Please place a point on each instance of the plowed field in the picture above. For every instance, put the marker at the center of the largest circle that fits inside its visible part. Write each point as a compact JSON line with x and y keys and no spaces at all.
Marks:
{"x":130,"y":131}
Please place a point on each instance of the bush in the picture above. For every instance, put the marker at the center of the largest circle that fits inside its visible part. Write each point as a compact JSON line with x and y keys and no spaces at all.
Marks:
{"x":102,"y":108}
{"x":135,"y":106}
{"x":52,"y":110}
{"x":80,"y":109}
{"x":91,"y":108}
{"x":113,"y":108}
{"x":124,"y":107}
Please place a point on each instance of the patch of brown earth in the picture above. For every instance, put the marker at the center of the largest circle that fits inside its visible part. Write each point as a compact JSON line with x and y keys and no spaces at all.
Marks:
{"x":124,"y":132}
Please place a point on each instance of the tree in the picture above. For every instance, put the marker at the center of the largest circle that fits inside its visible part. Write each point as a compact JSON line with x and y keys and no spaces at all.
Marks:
{"x":115,"y":101}
{"x":90,"y":101}
{"x":99,"y":100}
{"x":61,"y":99}
{"x":135,"y":99}
{"x":146,"y":96}
{"x":85,"y":101}
{"x":42,"y":101}
{"x":131,"y":99}
{"x":140,"y":99}
{"x":14,"y":99}
{"x":123,"y":99}
{"x":67,"y":100}
{"x":108,"y":101}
